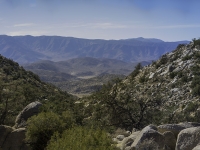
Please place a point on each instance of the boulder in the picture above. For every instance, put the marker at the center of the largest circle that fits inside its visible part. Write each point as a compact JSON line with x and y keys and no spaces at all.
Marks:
{"x":170,"y":140}
{"x":15,"y":140}
{"x":120,"y":137}
{"x":30,"y":110}
{"x":174,"y":128}
{"x":188,"y":138}
{"x":197,"y":147}
{"x":148,"y":138}
{"x":4,"y":131}
{"x":189,"y":124}
{"x":127,"y":142}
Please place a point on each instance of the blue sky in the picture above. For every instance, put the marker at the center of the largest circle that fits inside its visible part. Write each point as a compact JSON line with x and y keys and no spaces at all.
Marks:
{"x":169,"y":20}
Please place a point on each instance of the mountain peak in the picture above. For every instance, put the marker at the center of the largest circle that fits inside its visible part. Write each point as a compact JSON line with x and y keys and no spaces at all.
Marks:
{"x":149,"y":39}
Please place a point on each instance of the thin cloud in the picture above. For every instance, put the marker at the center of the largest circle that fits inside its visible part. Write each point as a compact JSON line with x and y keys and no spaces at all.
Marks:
{"x":108,"y":26}
{"x":24,"y":25}
{"x":179,"y":26}
{"x":167,"y":26}
{"x":34,"y":33}
{"x":75,"y":25}
{"x":95,"y":25}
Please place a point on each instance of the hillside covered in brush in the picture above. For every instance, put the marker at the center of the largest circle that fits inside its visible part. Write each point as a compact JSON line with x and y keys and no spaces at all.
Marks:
{"x":19,"y":87}
{"x":167,"y":91}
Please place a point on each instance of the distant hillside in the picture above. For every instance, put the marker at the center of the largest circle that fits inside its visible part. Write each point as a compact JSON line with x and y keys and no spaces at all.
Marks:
{"x":80,"y":67}
{"x":28,"y":49}
{"x":81,"y":75}
{"x":86,"y":86}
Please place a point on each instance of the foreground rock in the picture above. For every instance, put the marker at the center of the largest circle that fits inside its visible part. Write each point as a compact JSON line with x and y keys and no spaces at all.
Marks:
{"x":149,"y":138}
{"x":30,"y":110}
{"x":196,"y":148}
{"x":174,"y":128}
{"x":4,"y":131}
{"x":182,"y":136}
{"x":188,"y":138}
{"x":15,"y":140}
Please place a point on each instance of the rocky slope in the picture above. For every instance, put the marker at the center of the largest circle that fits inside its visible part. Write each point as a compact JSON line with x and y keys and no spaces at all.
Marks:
{"x":167,"y":91}
{"x":26,"y":49}
{"x":173,"y":79}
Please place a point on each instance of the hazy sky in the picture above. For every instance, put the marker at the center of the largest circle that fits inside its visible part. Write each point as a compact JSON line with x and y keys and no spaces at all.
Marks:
{"x":169,"y":20}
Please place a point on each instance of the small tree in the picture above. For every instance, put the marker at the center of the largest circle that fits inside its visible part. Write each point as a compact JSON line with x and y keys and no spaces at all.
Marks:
{"x":41,"y":127}
{"x":137,"y":70}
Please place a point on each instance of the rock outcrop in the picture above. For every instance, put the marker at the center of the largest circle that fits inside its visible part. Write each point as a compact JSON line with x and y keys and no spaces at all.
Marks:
{"x":13,"y":138}
{"x":174,"y":128}
{"x":30,"y":110}
{"x":148,"y":135}
{"x":4,"y":132}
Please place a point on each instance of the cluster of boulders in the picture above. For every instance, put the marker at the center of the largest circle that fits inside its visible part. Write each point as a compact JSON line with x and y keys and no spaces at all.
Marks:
{"x":182,"y":136}
{"x":13,"y":138}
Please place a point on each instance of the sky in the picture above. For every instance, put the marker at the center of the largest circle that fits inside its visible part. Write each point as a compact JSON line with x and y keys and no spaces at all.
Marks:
{"x":169,"y":20}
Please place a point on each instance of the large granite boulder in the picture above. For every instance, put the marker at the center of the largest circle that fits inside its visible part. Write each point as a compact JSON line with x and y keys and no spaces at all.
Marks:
{"x":15,"y":140}
{"x":170,"y":140}
{"x":197,"y":147}
{"x":174,"y":128}
{"x":148,"y":138}
{"x":4,"y":131}
{"x":189,"y":124}
{"x":30,"y":110}
{"x":188,"y":138}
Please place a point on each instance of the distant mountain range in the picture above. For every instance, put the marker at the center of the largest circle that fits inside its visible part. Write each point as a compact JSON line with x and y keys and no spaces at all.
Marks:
{"x":29,"y":49}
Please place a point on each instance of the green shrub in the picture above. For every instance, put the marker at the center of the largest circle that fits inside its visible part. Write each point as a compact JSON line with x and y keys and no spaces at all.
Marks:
{"x":180,"y":46}
{"x":196,"y":70}
{"x":195,"y":85}
{"x":162,"y":61}
{"x":143,"y":79}
{"x":197,"y":55}
{"x":184,"y":78}
{"x":41,"y":127}
{"x":136,"y":71}
{"x":187,"y":57}
{"x":196,"y":42}
{"x":172,"y":75}
{"x":81,"y":138}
